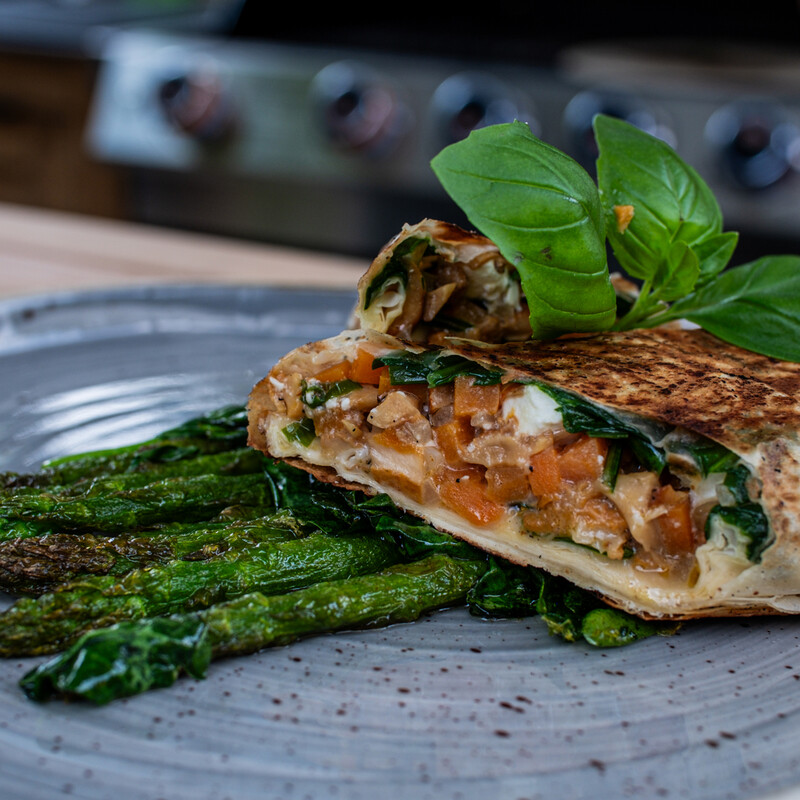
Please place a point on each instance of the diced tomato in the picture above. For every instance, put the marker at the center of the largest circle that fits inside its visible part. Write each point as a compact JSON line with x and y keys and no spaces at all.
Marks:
{"x":675,"y":527}
{"x":452,"y":437}
{"x":469,"y":399}
{"x":544,"y":475}
{"x":464,"y":491}
{"x":361,"y":370}
{"x":507,"y":484}
{"x":583,"y":460}
{"x":336,"y":372}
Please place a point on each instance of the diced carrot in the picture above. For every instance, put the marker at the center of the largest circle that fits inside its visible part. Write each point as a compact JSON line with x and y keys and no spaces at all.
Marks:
{"x":544,"y":475}
{"x":464,"y":491}
{"x":388,"y":437}
{"x":583,"y":460}
{"x":452,"y":437}
{"x":361,"y":370}
{"x":507,"y":484}
{"x":384,"y":381}
{"x":469,"y":399}
{"x":336,"y":372}
{"x":675,"y":527}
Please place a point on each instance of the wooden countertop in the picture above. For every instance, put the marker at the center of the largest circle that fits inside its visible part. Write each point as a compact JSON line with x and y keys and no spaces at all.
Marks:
{"x":49,"y":251}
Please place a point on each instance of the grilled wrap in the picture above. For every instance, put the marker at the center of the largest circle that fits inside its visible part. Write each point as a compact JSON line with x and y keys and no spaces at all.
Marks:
{"x":435,"y":279}
{"x":660,"y":468}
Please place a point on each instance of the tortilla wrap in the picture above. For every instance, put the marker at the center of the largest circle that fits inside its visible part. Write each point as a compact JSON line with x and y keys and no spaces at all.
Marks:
{"x":685,"y":381}
{"x":433,"y":279}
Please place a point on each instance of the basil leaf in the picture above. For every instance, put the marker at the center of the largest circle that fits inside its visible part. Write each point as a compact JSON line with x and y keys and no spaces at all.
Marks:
{"x":671,"y":202}
{"x":755,"y":306}
{"x":678,"y":273}
{"x":714,"y":254}
{"x":543,"y":211}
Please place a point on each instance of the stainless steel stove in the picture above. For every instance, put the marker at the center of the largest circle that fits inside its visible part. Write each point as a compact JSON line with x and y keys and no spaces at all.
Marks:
{"x":327,"y":145}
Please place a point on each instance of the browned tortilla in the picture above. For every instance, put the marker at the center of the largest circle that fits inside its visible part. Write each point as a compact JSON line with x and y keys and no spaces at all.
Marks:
{"x":684,"y":378}
{"x":444,"y":234}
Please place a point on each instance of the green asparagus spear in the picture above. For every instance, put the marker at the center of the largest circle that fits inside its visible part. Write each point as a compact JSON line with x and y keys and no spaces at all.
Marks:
{"x":11,"y":529}
{"x":132,"y":657}
{"x":38,"y":564}
{"x":33,"y":626}
{"x":20,"y":528}
{"x":241,"y":461}
{"x":194,"y":498}
{"x":223,"y":429}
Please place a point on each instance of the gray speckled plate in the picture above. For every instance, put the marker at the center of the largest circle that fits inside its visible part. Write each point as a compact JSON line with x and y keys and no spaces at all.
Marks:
{"x":450,"y":707}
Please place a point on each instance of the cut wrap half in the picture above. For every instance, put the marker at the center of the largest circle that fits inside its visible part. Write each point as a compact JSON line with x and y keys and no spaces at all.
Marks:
{"x":434,"y":279}
{"x":660,"y":469}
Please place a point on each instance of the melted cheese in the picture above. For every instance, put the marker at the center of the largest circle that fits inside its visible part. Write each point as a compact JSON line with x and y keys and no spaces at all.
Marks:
{"x":535,"y":411}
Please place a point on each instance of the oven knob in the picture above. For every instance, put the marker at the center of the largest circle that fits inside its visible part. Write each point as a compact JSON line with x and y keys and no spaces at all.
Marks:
{"x":755,"y":142}
{"x":358,"y":110}
{"x":196,"y":104}
{"x":581,"y":110}
{"x":470,"y":100}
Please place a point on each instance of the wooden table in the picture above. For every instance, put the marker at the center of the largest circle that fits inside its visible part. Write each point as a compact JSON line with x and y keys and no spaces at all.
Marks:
{"x":49,"y":251}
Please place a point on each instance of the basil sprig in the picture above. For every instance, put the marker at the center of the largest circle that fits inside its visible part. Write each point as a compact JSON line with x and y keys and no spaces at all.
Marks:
{"x":755,"y":306}
{"x":674,"y":239}
{"x":543,"y":211}
{"x":675,"y":244}
{"x":662,"y":222}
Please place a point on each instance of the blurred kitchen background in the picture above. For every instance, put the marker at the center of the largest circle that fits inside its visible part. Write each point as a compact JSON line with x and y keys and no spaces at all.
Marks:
{"x":315,"y":127}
